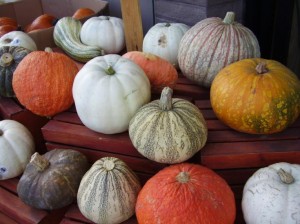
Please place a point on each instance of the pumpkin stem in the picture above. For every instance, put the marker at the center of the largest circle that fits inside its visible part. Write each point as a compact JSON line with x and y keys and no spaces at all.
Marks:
{"x":110,"y":70}
{"x":167,"y":25}
{"x":39,"y":162}
{"x":229,"y":18}
{"x":165,"y":102}
{"x":183,"y":177}
{"x":108,"y":165}
{"x":48,"y":49}
{"x":285,"y":177}
{"x":261,"y":68}
{"x":6,"y":59}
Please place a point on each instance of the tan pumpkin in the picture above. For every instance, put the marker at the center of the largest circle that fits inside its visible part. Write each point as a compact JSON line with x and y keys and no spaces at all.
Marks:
{"x":213,"y":43}
{"x":43,"y":82}
{"x":256,"y":96}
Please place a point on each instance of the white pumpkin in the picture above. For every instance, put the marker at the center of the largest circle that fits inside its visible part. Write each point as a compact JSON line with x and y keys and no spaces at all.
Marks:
{"x":106,"y":32}
{"x":163,"y":40}
{"x":18,"y":38}
{"x":272,"y":195}
{"x":108,"y":91}
{"x":16,"y":147}
{"x":108,"y":191}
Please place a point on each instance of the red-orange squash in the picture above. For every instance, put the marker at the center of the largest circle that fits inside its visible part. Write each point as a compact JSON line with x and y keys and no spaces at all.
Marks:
{"x":41,"y":22}
{"x":256,"y":96}
{"x":6,"y":29}
{"x":43,"y":82}
{"x":83,"y":12}
{"x":186,"y":193}
{"x":8,"y":21}
{"x":161,"y":73}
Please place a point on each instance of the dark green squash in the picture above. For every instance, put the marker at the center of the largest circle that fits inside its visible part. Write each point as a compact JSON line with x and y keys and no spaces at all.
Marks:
{"x":10,"y":57}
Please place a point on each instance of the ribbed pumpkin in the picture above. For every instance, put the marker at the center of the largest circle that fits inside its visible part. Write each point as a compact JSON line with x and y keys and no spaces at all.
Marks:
{"x":83,"y":12}
{"x":10,"y":57}
{"x":16,"y":147}
{"x":213,"y":43}
{"x":51,"y":181}
{"x":161,"y":73}
{"x":43,"y":21}
{"x":168,"y":130}
{"x":6,"y":29}
{"x":186,"y":193}
{"x":43,"y":82}
{"x":8,"y":21}
{"x":163,"y":40}
{"x":256,"y":96}
{"x":108,"y":191}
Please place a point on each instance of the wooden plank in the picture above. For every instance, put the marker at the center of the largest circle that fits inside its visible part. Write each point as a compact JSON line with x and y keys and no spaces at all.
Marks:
{"x":6,"y":220}
{"x":10,"y":184}
{"x":132,"y":18}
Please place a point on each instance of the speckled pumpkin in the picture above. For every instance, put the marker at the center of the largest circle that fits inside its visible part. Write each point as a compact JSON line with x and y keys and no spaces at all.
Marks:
{"x":256,"y":96}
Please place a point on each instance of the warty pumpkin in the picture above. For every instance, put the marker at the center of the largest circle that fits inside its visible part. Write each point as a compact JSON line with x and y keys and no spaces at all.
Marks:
{"x":256,"y":96}
{"x":271,"y":195}
{"x":43,"y":21}
{"x":168,"y":130}
{"x":16,"y":147}
{"x":45,"y":88}
{"x":186,"y":193}
{"x":10,"y":57}
{"x":51,"y":181}
{"x":161,"y":73}
{"x":82,"y":13}
{"x":108,"y":191}
{"x":18,"y":38}
{"x":213,"y":43}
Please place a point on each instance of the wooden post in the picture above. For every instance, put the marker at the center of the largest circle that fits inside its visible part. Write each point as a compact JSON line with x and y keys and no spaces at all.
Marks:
{"x":132,"y":18}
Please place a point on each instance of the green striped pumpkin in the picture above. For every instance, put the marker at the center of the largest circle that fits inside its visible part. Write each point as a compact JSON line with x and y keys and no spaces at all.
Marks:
{"x":108,"y":191}
{"x":66,"y":35}
{"x":168,"y":130}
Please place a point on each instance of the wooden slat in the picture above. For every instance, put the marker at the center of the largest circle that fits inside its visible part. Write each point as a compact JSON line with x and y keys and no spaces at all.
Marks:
{"x":6,"y":220}
{"x":10,"y":184}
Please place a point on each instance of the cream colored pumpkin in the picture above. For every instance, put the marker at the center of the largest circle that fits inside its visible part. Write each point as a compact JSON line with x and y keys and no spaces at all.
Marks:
{"x":108,"y":91}
{"x":16,"y":147}
{"x":272,"y":195}
{"x":163,"y":40}
{"x":19,"y":39}
{"x":106,"y":32}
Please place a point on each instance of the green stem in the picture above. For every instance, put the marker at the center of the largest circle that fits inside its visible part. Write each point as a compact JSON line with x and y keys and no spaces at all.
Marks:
{"x":39,"y":162}
{"x":165,"y":102}
{"x":6,"y":59}
{"x":110,"y":70}
{"x":167,"y":25}
{"x":229,"y":18}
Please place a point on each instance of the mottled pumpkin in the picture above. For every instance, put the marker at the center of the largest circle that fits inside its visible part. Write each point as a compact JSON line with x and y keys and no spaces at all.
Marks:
{"x":256,"y":96}
{"x":43,"y":82}
{"x":51,"y":181}
{"x":213,"y":43}
{"x":186,"y":193}
{"x":168,"y":130}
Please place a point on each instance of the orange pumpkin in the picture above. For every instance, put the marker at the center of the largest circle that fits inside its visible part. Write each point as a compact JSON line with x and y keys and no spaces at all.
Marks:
{"x":161,"y":73}
{"x":186,"y":193}
{"x":256,"y":96}
{"x":43,"y":82}
{"x":83,"y":12}
{"x":8,"y":21}
{"x":6,"y":29}
{"x":41,"y":22}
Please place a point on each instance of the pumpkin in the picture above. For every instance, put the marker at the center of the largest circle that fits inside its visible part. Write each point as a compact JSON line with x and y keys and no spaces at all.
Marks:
{"x":16,"y":147}
{"x":186,"y":193}
{"x":168,"y":130}
{"x":271,"y":195}
{"x":43,"y":21}
{"x":18,"y":38}
{"x":10,"y":57}
{"x":106,"y":32}
{"x":6,"y":29}
{"x":51,"y":181}
{"x":45,"y":88}
{"x":256,"y":96}
{"x":108,"y":191}
{"x":107,"y":91}
{"x":161,"y":73}
{"x":213,"y":43}
{"x":163,"y":40}
{"x":8,"y":21}
{"x":82,"y":13}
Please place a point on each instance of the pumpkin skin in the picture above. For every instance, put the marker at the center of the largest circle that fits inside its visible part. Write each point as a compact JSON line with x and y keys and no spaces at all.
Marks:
{"x":108,"y":191}
{"x":186,"y":193}
{"x":18,"y":38}
{"x":8,"y":21}
{"x":41,"y":22}
{"x":168,"y":130}
{"x":45,"y":89}
{"x":271,"y":195}
{"x":51,"y":181}
{"x":251,"y":100}
{"x":82,"y":13}
{"x":6,"y":29}
{"x":105,"y":86}
{"x":106,"y":32}
{"x":16,"y":147}
{"x":213,"y":43}
{"x":161,"y":73}
{"x":10,"y":57}
{"x":163,"y":40}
